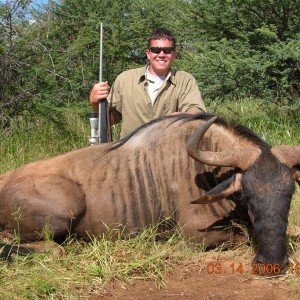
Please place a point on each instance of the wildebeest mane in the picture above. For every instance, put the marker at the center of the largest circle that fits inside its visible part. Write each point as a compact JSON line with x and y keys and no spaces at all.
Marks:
{"x":248,"y":134}
{"x":241,"y":131}
{"x":176,"y":118}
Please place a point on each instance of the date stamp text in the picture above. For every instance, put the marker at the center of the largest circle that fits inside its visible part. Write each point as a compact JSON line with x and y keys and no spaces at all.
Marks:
{"x":254,"y":269}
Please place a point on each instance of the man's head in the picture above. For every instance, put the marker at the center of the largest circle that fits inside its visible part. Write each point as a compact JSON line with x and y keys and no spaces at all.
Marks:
{"x":161,"y":51}
{"x":162,"y":34}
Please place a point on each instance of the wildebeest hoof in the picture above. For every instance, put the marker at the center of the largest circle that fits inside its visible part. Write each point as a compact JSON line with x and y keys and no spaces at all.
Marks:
{"x":55,"y":249}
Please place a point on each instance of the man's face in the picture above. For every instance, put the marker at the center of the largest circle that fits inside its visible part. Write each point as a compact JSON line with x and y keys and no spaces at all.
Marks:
{"x":160,"y":63}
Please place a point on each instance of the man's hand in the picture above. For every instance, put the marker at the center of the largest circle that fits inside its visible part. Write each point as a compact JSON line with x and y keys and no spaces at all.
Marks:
{"x":183,"y":113}
{"x":99,"y":92}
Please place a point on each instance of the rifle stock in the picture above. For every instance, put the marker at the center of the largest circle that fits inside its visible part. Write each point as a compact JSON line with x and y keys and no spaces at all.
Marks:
{"x":102,"y":122}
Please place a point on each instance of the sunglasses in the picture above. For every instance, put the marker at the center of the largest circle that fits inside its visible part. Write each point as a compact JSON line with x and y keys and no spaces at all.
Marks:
{"x":157,"y":50}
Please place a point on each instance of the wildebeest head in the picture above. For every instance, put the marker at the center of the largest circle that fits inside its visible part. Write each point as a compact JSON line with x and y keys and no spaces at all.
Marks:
{"x":265,"y":176}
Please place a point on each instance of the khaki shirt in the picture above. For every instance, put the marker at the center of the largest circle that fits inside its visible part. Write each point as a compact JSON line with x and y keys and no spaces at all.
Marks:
{"x":129,"y":96}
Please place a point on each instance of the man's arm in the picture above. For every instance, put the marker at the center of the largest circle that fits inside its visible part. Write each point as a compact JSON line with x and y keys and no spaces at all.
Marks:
{"x":191,"y":100}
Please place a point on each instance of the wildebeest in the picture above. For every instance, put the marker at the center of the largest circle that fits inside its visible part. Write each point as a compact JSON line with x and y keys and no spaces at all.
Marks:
{"x":198,"y":169}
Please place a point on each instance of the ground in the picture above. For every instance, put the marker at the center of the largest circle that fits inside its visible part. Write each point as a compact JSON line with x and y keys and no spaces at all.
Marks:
{"x":194,"y":281}
{"x":219,"y":275}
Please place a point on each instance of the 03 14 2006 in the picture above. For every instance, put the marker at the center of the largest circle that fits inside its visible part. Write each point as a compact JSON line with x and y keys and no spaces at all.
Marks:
{"x":254,"y":269}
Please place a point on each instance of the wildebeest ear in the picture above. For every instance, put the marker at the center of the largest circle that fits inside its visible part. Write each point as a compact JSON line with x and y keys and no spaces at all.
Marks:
{"x":222,"y":190}
{"x":296,"y":174}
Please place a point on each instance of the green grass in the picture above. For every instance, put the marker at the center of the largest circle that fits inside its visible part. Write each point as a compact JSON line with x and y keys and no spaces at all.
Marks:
{"x":86,"y":267}
{"x":39,"y":137}
{"x":276,"y":125}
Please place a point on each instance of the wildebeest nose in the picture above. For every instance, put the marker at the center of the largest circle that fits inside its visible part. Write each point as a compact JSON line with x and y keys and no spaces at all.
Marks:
{"x":262,"y":268}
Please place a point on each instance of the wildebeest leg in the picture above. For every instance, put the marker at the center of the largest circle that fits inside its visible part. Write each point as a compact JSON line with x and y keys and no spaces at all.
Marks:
{"x":217,"y":233}
{"x":218,"y":237}
{"x":34,"y":204}
{"x":213,"y":238}
{"x":7,"y":250}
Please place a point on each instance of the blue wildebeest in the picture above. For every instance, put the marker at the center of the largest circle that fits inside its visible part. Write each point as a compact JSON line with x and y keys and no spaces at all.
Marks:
{"x":196,"y":168}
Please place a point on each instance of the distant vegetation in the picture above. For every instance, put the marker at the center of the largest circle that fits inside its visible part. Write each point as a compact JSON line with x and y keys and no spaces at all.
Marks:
{"x":49,"y":55}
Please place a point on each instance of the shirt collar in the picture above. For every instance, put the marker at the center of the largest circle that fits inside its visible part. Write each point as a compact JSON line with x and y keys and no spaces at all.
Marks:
{"x":170,"y":77}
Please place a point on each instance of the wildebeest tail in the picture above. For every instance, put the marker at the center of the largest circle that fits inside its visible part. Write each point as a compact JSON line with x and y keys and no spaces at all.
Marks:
{"x":6,"y":251}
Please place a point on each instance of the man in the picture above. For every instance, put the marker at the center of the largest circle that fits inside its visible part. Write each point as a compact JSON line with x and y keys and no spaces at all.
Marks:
{"x":143,"y":94}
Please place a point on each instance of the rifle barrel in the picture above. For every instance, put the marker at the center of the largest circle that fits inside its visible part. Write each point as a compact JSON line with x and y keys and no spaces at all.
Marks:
{"x":102,"y":122}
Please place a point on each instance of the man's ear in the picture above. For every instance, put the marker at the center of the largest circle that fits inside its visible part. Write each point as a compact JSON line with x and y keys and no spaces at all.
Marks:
{"x":148,"y":53}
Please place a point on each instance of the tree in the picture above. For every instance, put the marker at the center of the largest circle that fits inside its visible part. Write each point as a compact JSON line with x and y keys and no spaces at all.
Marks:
{"x":249,"y":47}
{"x":15,"y":88}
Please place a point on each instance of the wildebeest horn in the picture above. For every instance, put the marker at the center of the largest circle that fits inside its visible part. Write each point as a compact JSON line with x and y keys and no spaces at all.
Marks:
{"x":289,"y":155}
{"x":236,"y":155}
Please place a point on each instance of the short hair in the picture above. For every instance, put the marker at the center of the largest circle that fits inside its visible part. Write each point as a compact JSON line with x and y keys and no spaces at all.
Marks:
{"x":162,"y":34}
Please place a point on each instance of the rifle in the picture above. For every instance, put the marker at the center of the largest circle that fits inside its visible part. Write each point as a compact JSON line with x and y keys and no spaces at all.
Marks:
{"x":102,"y":118}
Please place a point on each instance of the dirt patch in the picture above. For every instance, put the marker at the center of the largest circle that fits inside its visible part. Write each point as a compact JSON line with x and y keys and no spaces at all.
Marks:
{"x":204,"y":280}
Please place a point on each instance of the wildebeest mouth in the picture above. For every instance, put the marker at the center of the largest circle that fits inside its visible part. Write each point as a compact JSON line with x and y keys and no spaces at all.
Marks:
{"x":261,"y":268}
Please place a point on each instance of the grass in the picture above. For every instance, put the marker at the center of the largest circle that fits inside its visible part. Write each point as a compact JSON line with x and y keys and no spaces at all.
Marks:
{"x":86,"y":267}
{"x":276,"y":125}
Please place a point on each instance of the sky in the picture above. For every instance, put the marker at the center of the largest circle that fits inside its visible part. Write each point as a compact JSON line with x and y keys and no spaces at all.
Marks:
{"x":34,"y":1}
{"x":37,"y":2}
